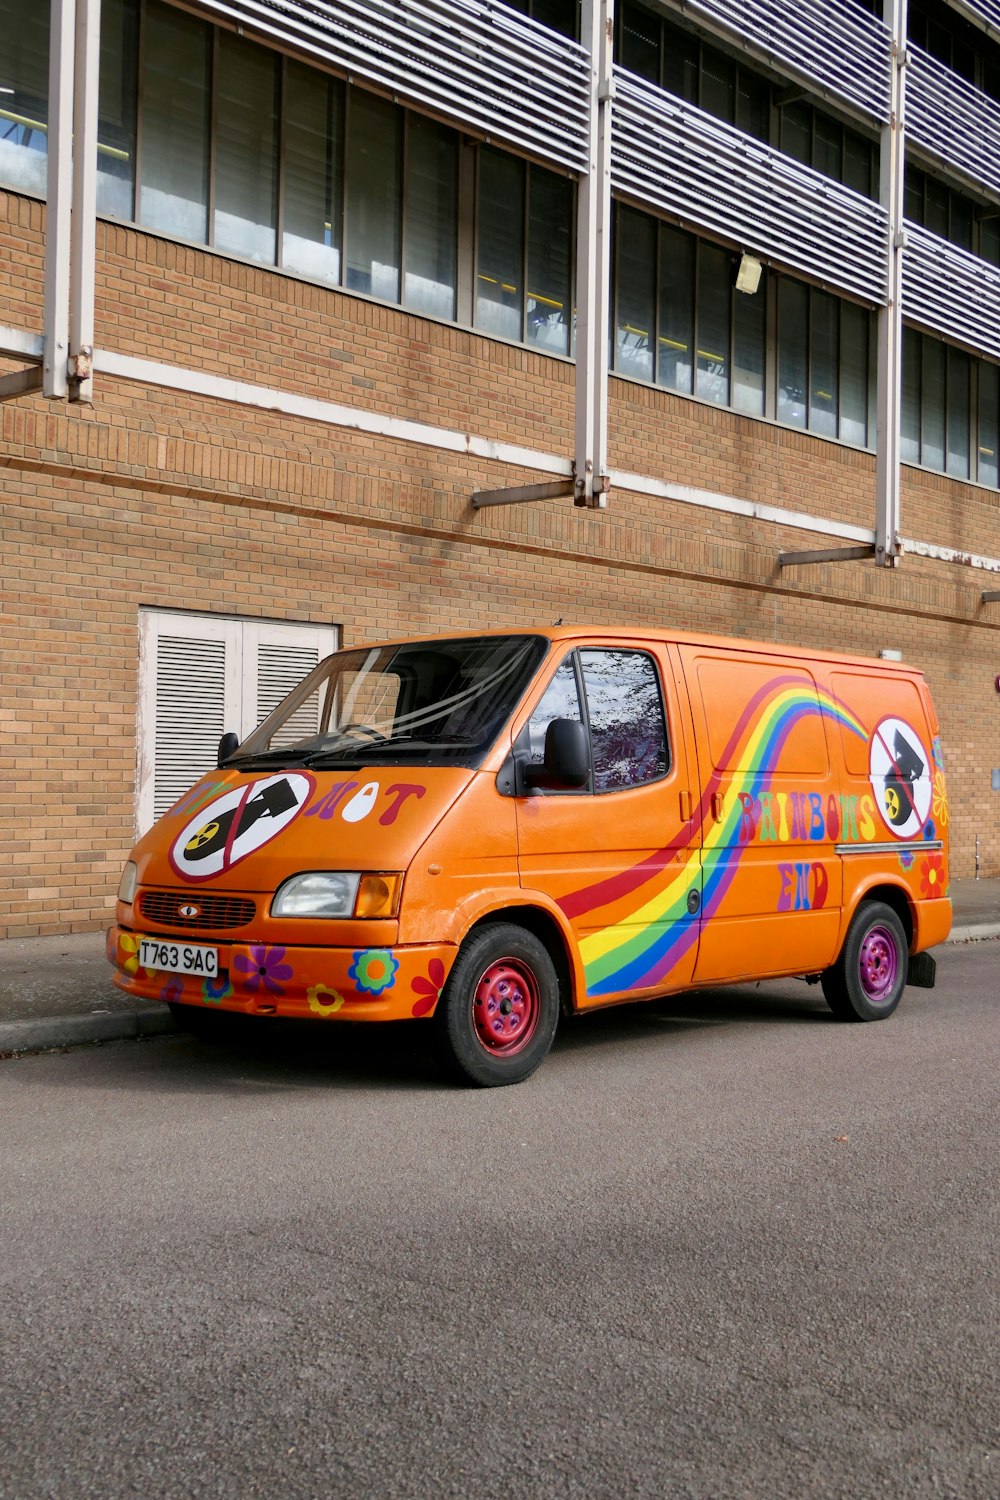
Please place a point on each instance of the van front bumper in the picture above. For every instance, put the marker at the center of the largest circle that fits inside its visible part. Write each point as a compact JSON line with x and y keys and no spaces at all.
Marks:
{"x":345,"y":984}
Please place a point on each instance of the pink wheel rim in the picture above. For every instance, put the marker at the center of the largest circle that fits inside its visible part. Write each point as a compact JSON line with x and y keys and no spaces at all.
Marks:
{"x":878,"y":965}
{"x":506,"y":1007}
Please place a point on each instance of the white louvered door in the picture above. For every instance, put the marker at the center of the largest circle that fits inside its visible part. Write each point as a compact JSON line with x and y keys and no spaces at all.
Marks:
{"x":200,"y":675}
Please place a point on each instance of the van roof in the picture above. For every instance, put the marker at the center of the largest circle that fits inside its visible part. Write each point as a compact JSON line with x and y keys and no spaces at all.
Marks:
{"x":625,"y":633}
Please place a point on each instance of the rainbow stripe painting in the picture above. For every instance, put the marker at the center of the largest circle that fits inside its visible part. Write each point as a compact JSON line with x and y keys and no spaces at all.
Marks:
{"x":639,"y":948}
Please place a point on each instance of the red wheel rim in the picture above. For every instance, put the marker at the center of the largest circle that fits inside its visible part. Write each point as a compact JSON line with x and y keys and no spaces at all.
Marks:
{"x":878,"y":965}
{"x":506,"y":1007}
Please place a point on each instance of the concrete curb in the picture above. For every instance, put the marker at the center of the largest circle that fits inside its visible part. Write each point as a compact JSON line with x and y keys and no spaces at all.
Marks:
{"x":156,"y":1020}
{"x":974,"y":932}
{"x":75,"y":1031}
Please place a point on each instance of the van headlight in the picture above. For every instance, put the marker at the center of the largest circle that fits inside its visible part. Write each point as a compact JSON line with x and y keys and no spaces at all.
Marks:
{"x":338,"y":893}
{"x":127,"y":885}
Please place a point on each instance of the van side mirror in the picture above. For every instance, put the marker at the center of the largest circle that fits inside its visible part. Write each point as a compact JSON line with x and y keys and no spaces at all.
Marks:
{"x":566,"y":764}
{"x":228,"y":746}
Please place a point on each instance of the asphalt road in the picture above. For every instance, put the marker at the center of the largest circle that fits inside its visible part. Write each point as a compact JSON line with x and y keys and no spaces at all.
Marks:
{"x":723,"y":1247}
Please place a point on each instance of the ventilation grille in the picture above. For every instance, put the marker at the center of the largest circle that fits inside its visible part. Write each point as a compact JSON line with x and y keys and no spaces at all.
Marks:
{"x":164,"y":907}
{"x":190,"y":713}
{"x":476,"y":63}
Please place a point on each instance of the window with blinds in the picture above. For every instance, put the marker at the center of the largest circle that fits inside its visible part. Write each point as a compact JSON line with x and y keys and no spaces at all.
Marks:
{"x":201,"y":675}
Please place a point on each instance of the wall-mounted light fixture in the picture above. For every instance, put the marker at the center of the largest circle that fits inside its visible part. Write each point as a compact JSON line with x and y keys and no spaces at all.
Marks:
{"x":748,"y":274}
{"x":889,"y":653}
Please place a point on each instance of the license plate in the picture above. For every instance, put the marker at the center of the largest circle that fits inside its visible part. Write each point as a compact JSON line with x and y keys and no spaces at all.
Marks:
{"x":179,"y":958}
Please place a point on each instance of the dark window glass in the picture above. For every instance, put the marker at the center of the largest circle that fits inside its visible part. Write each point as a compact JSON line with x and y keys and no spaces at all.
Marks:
{"x":24,"y":93}
{"x":753,"y":105}
{"x":989,"y":240}
{"x":680,"y":64}
{"x":932,"y":404}
{"x":374,"y":195}
{"x":749,"y":337}
{"x":636,"y":301}
{"x":828,"y":139}
{"x":628,"y":735}
{"x":855,"y":334}
{"x":793,"y":345}
{"x":675,"y":366}
{"x":714,"y":306}
{"x":910,"y":433}
{"x":796,"y":132}
{"x":718,"y":85}
{"x":989,"y":437}
{"x":313,"y":185}
{"x":246,"y":149}
{"x":824,"y":365}
{"x":958,"y":414}
{"x":935,"y":207}
{"x":116,"y":109}
{"x":913,"y":195}
{"x":550,"y":240}
{"x":640,"y":43}
{"x":500,"y":244}
{"x":960,"y":232}
{"x":859,"y":164}
{"x":431,"y":218}
{"x":561,"y":15}
{"x":173,"y":191}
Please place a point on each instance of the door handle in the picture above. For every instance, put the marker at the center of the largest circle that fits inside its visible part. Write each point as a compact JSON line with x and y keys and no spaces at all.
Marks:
{"x":718,"y":803}
{"x":687,"y":807}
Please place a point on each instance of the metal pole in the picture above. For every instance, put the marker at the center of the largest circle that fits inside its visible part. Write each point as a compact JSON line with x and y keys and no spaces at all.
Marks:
{"x":593,"y":257}
{"x":58,"y":213}
{"x":84,"y":226}
{"x":890,"y":322}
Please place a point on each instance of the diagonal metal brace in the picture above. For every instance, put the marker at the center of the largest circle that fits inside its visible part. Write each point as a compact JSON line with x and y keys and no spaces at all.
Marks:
{"x":826,"y":554}
{"x":18,"y":382}
{"x":552,"y":490}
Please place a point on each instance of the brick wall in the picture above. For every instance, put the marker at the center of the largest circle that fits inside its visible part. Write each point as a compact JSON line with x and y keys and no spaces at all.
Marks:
{"x":156,"y":498}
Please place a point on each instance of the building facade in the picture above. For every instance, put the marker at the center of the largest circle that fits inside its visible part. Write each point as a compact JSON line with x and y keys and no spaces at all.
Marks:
{"x":331,"y":320}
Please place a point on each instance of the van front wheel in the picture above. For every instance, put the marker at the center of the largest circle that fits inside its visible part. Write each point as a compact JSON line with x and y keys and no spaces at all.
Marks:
{"x":498,"y":1012}
{"x":867,"y":981}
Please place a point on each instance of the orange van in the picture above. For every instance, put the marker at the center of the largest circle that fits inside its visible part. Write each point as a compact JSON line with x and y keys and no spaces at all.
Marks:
{"x":484,"y":831}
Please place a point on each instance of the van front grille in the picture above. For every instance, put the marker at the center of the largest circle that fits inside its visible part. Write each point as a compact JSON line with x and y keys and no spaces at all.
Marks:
{"x":180,"y":909}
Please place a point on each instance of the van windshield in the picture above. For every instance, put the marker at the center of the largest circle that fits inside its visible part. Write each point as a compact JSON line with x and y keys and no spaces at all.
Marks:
{"x":420,"y":703}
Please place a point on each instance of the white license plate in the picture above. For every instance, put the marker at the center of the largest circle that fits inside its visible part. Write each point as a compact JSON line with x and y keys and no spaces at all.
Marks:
{"x":179,"y":958}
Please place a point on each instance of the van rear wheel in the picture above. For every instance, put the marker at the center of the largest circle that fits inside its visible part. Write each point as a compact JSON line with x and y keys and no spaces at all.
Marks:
{"x":867,"y":981}
{"x":498,"y":1012}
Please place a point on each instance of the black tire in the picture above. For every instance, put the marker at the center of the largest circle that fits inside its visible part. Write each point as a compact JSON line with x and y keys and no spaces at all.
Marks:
{"x":210,"y":1025}
{"x":498,"y":1012}
{"x":868,"y":979}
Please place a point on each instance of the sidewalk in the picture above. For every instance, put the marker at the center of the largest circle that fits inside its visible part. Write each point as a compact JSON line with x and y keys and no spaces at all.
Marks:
{"x":57,"y":991}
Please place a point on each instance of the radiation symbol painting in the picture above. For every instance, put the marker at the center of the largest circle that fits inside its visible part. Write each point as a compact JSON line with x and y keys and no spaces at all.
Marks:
{"x":238,"y":823}
{"x":900,"y":777}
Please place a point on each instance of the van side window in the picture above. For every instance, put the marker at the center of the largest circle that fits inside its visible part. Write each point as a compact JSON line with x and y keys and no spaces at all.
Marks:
{"x":628,"y":734}
{"x":560,"y":701}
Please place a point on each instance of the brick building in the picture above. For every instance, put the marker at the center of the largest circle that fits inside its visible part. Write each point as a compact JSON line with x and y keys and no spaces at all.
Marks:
{"x":731,"y":284}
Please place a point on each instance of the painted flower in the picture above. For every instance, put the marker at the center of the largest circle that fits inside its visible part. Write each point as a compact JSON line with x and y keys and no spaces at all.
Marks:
{"x":173,"y":990}
{"x":905,"y":859}
{"x":129,"y":945}
{"x":214,"y":991}
{"x":932,"y":881}
{"x":263,"y":969}
{"x":937,"y":752}
{"x":324,"y":1007}
{"x":428,"y":990}
{"x":374,"y":970}
{"x":939,"y":803}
